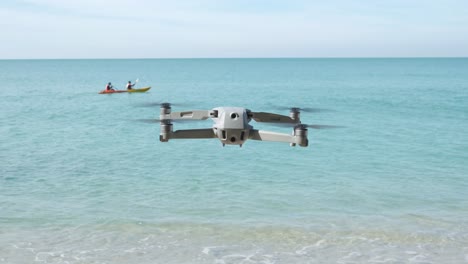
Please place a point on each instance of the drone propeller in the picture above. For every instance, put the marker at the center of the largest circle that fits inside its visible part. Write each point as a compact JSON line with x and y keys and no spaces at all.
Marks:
{"x":156,"y":120}
{"x":318,"y":126}
{"x":313,"y":126}
{"x":158,"y":104}
{"x":310,"y":109}
{"x":302,"y":109}
{"x":147,"y":120}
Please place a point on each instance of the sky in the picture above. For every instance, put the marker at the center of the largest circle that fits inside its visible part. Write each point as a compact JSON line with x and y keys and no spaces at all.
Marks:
{"x":61,"y":29}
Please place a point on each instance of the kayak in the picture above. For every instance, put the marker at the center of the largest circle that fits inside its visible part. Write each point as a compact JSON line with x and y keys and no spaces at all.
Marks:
{"x":139,"y":90}
{"x":136,"y":90}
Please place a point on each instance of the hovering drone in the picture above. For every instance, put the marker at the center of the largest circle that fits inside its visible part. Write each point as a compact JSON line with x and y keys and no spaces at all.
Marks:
{"x":231,"y":125}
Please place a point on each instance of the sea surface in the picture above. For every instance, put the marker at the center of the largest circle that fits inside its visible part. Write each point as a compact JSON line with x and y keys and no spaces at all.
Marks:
{"x":83,"y":181}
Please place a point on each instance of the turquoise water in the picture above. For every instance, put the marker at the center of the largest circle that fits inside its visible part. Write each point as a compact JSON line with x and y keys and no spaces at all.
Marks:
{"x":82,"y":182}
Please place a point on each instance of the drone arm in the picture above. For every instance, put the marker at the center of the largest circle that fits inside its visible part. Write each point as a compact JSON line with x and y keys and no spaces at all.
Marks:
{"x":299,"y":137}
{"x":272,"y":118}
{"x":194,"y":114}
{"x":193,"y":133}
{"x":270,"y":136}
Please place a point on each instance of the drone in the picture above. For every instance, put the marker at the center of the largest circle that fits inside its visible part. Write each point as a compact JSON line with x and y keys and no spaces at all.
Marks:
{"x":231,"y":125}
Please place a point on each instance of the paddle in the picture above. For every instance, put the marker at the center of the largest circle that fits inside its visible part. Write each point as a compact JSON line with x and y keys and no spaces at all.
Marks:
{"x":136,"y":81}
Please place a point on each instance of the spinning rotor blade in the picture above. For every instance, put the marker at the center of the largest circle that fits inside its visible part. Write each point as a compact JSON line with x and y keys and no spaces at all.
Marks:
{"x":147,"y":120}
{"x":272,"y":118}
{"x":305,"y":125}
{"x":158,"y":104}
{"x":311,"y":109}
{"x":157,"y":121}
{"x":320,"y":126}
{"x":302,"y":109}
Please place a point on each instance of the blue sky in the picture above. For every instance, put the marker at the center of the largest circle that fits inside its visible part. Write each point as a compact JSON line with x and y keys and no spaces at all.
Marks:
{"x":235,"y":28}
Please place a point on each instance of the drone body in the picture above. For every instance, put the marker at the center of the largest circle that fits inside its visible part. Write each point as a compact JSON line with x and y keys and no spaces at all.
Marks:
{"x":231,"y":125}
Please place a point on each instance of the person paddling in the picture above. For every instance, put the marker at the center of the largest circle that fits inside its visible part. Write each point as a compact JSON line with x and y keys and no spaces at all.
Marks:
{"x":109,"y":87}
{"x":130,"y":85}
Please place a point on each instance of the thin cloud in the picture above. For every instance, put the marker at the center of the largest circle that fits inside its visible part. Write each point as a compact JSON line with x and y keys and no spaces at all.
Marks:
{"x":217,"y":28}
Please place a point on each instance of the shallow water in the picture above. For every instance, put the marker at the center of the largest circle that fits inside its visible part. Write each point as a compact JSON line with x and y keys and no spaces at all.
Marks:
{"x":81,"y":182}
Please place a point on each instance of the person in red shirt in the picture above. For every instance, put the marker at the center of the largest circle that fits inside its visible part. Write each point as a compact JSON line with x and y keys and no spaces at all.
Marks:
{"x":109,"y":87}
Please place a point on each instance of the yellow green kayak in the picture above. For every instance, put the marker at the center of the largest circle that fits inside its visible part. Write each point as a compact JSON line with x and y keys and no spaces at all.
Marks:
{"x":136,"y":90}
{"x":139,"y":90}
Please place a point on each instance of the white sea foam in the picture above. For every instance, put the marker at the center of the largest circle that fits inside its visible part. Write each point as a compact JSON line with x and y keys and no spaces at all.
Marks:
{"x":204,"y":243}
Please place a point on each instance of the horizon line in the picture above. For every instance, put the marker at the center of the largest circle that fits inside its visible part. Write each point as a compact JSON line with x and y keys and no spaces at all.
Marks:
{"x":223,"y":58}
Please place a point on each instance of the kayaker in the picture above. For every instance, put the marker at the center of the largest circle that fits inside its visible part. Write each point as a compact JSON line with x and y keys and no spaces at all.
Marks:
{"x":130,"y":85}
{"x":109,"y":87}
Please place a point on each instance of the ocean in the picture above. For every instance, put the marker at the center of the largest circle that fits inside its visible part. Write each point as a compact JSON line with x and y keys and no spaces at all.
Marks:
{"x":83,"y":181}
